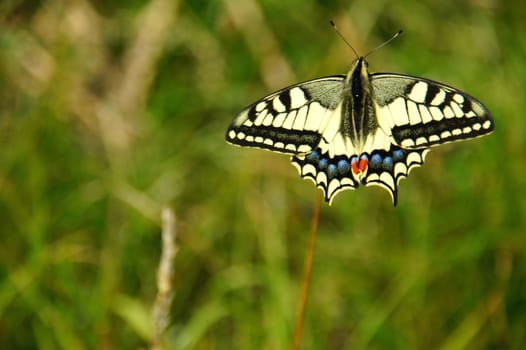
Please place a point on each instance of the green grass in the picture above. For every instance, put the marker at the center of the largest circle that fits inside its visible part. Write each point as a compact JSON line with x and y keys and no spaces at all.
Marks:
{"x":108,"y":114}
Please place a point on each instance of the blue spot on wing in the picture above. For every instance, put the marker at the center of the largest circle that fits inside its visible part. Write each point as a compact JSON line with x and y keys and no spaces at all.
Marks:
{"x":331,"y":170}
{"x":343,"y":166}
{"x":398,"y":155}
{"x":314,"y":157}
{"x":388,"y":163}
{"x":376,"y":160}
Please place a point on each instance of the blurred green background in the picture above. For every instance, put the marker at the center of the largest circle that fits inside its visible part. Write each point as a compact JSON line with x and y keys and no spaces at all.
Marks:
{"x":113,"y":110}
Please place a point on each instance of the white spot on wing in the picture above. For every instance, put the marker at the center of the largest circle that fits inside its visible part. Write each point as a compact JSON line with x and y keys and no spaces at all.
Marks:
{"x":278,"y":105}
{"x":268,"y":120}
{"x":445,"y":134}
{"x":278,"y":121}
{"x":299,"y":122}
{"x":313,"y":118}
{"x":413,"y":158}
{"x":407,"y":143}
{"x":448,"y":112}
{"x":439,"y":98}
{"x":399,"y":111}
{"x":476,"y":126}
{"x":486,"y":124}
{"x":412,"y":111}
{"x":231,"y":134}
{"x":458,"y":98}
{"x":457,"y":110}
{"x":304,"y":148}
{"x":418,"y":92}
{"x":261,"y":106}
{"x":399,"y":168}
{"x":321,"y":178}
{"x":436,"y":113}
{"x":373,"y":177}
{"x":260,"y":117}
{"x":387,"y":179}
{"x":290,"y":147}
{"x":308,"y":169}
{"x":333,"y":186}
{"x":434,"y":138}
{"x":424,"y":114}
{"x":297,"y":98}
{"x":421,"y":140}
{"x":289,"y":120}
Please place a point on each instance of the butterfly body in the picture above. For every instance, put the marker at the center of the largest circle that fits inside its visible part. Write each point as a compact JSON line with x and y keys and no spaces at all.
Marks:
{"x":362,"y":128}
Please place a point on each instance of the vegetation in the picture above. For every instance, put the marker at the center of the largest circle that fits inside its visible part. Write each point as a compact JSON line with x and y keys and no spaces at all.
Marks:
{"x":113,"y":110}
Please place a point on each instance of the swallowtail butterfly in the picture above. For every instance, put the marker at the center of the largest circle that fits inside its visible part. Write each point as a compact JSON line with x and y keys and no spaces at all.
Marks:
{"x":362,"y":128}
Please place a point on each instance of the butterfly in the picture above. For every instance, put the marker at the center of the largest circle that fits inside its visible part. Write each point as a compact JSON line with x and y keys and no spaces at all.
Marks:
{"x":359,"y":128}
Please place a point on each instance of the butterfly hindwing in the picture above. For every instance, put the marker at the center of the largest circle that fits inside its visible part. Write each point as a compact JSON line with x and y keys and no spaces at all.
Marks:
{"x":331,"y":174}
{"x":288,"y":121}
{"x":386,"y":168}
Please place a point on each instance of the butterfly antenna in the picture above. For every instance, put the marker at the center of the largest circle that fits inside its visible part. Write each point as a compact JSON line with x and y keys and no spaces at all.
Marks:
{"x":385,"y":43}
{"x":343,"y":38}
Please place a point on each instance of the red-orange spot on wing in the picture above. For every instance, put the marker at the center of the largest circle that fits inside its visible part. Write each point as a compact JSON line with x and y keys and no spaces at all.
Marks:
{"x":355,"y":168}
{"x":359,"y":166}
{"x":362,"y":165}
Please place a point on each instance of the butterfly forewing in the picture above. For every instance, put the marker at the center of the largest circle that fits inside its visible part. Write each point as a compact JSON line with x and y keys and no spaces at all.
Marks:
{"x":423,"y":113}
{"x":289,"y":120}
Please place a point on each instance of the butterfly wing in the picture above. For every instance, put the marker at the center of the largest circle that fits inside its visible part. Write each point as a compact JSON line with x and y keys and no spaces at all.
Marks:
{"x":417,"y":114}
{"x":296,"y":120}
{"x":421,"y":113}
{"x":290,"y":120}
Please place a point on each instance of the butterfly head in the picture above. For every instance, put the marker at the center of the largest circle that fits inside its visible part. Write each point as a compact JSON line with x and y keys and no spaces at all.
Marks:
{"x":360,"y":64}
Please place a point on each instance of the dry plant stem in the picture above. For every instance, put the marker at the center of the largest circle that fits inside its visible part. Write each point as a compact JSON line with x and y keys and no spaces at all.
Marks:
{"x":161,"y":308}
{"x":307,"y":269}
